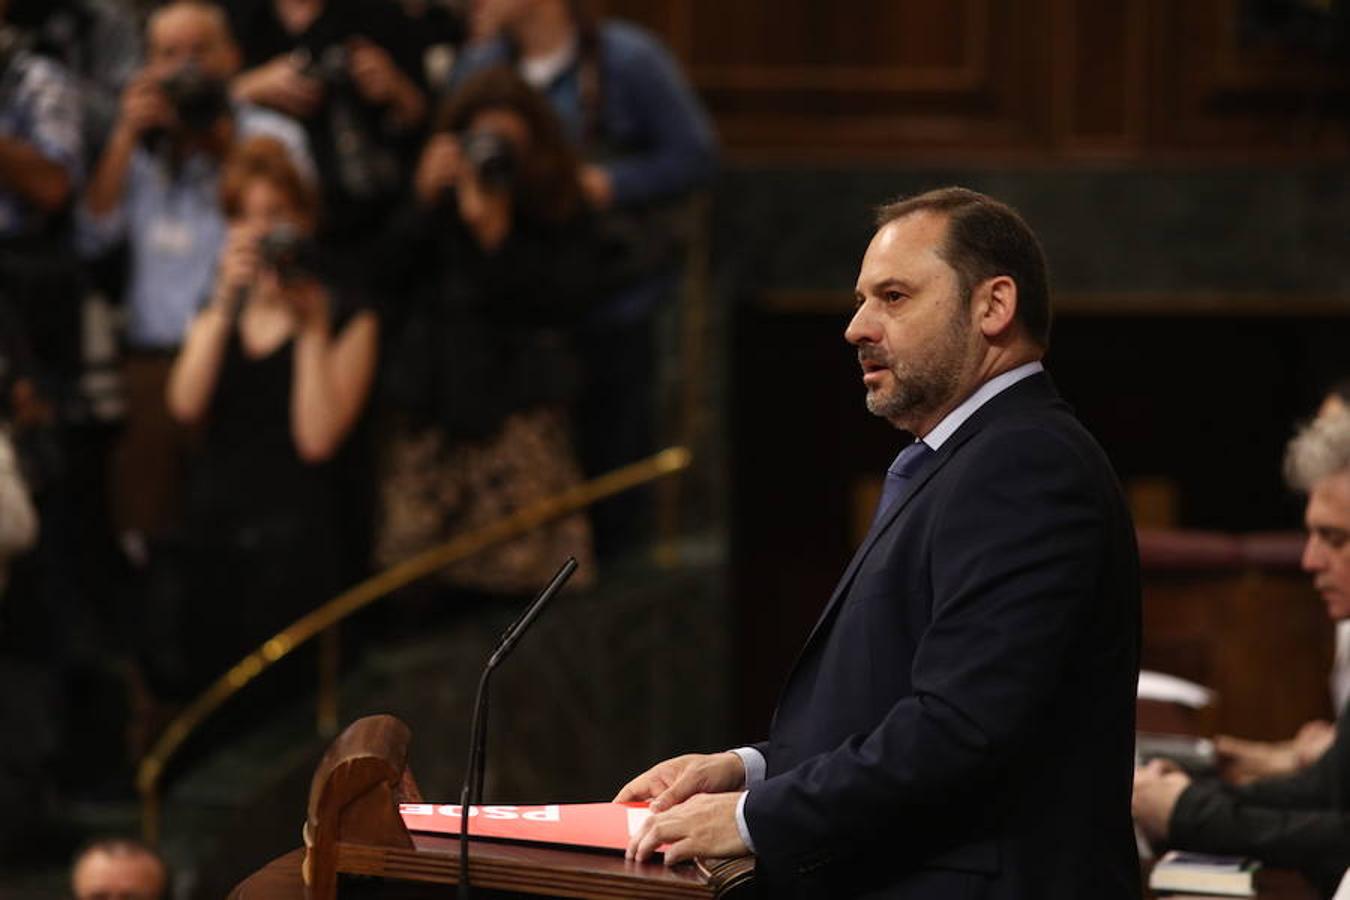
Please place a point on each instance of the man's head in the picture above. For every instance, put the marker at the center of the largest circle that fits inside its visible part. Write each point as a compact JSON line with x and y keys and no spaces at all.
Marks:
{"x":1337,"y":399}
{"x":952,"y":291}
{"x":118,"y":869}
{"x":191,"y":31}
{"x":1318,"y":463}
{"x":489,"y":18}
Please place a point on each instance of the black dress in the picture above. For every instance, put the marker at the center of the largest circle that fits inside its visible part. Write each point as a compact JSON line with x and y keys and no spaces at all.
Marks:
{"x":479,"y":374}
{"x":262,"y":524}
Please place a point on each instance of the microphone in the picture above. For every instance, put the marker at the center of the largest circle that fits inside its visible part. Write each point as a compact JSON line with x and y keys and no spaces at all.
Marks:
{"x":472,"y":792}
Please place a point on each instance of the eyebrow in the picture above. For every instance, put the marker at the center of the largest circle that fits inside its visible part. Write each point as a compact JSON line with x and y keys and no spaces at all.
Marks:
{"x":892,"y":282}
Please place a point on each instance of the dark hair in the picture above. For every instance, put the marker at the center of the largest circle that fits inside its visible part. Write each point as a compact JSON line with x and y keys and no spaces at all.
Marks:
{"x":265,"y":158}
{"x":986,"y":238}
{"x":548,"y":187}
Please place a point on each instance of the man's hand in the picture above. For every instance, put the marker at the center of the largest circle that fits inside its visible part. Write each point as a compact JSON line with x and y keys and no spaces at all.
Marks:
{"x":702,"y":826}
{"x":382,"y":83}
{"x":1243,"y":760}
{"x":597,"y":186}
{"x":144,"y":105}
{"x":1156,"y":789}
{"x":1312,"y":741}
{"x":669,"y":783}
{"x":281,"y":85}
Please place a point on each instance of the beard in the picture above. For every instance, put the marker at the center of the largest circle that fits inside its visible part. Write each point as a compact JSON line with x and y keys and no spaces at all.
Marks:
{"x":926,"y":380}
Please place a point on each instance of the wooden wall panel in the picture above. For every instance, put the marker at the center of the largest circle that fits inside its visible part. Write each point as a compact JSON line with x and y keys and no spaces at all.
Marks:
{"x":1099,"y":80}
{"x":1026,"y":78}
{"x":1218,"y":88}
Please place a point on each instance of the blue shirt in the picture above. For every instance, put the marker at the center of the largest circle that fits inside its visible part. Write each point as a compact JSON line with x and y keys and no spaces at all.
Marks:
{"x":657,"y":140}
{"x":174,"y":227}
{"x":41,"y":108}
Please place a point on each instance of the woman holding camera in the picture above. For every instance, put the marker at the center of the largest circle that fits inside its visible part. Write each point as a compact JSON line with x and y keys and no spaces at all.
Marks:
{"x":277,"y":367}
{"x":488,"y":275}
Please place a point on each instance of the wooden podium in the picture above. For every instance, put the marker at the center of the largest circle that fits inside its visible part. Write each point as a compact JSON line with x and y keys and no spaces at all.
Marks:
{"x":356,"y":843}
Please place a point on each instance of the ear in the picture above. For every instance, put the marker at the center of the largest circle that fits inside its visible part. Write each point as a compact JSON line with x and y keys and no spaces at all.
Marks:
{"x":996,"y":310}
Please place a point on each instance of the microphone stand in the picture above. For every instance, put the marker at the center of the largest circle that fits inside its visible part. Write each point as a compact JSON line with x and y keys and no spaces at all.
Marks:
{"x":476,"y":767}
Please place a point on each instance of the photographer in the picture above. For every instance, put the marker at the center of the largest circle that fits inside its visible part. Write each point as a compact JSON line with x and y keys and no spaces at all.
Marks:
{"x":155,"y":187}
{"x":41,"y":156}
{"x":647,"y":147}
{"x":277,"y":368}
{"x":487,"y":276}
{"x":350,"y":72}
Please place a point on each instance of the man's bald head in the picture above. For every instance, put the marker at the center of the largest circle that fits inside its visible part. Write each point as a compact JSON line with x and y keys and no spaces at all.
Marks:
{"x":192,"y":31}
{"x":118,"y":869}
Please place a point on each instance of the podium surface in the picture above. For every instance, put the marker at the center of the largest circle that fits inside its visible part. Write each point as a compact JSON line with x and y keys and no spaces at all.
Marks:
{"x":433,"y":861}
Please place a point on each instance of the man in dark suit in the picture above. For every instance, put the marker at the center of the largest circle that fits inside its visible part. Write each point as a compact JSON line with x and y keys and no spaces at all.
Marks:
{"x":960,"y":721}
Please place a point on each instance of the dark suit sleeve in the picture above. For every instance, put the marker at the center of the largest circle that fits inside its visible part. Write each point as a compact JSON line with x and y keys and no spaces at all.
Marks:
{"x":1297,"y":821}
{"x":1016,"y":550}
{"x":1210,"y":818}
{"x":1322,"y":785}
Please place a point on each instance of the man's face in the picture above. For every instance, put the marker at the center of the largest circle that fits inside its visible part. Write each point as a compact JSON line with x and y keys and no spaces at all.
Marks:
{"x":1326,"y":556}
{"x":912,"y":327}
{"x":489,"y":18}
{"x":186,"y":34}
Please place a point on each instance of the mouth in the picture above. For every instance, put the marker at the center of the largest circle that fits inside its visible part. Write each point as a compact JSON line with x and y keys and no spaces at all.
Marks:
{"x":872,"y":371}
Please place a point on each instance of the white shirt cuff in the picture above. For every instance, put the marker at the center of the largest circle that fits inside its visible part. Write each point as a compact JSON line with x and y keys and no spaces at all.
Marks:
{"x":754,"y":764}
{"x":743,"y":828}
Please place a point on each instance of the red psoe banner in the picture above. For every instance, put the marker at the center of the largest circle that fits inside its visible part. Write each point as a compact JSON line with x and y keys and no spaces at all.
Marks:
{"x":604,"y":826}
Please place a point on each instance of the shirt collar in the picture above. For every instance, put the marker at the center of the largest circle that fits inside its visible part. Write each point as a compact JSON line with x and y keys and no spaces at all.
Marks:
{"x":983,"y":394}
{"x":541,"y":71}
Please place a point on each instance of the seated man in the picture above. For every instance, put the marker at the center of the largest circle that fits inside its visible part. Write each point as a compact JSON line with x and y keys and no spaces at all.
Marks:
{"x":1245,"y":760}
{"x":1301,"y":820}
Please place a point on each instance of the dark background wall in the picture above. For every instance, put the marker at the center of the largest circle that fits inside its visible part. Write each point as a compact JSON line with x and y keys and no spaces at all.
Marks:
{"x":1184,"y":164}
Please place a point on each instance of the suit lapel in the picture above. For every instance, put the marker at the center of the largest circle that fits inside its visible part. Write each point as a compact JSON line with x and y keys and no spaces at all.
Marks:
{"x":901,"y":501}
{"x":1036,"y":388}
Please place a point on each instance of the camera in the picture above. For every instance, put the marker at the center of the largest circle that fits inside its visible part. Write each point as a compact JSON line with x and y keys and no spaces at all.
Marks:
{"x":492,"y":156}
{"x":290,"y":253}
{"x":328,"y":66}
{"x":364,"y":167}
{"x":197,"y":98}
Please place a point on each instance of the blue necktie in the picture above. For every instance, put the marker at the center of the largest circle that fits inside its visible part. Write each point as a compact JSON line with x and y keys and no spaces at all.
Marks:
{"x":907,"y":462}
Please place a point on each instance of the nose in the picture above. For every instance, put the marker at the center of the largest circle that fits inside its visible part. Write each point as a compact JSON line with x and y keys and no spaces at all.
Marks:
{"x":862,"y":327}
{"x":1313,"y":558}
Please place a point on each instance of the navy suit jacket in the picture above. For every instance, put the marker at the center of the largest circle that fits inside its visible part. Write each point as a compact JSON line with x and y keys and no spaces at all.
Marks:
{"x":960,"y":723}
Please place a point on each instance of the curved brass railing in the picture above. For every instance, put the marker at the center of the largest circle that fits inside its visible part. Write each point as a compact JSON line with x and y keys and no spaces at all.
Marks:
{"x":152,"y":766}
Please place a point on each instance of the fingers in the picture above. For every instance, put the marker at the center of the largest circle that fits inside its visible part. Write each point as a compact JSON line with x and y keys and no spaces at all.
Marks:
{"x":634,"y":791}
{"x":705,"y":825}
{"x":678,"y":852}
{"x":684,"y":787}
{"x":645,"y":842}
{"x":1163,"y":766}
{"x":711,"y":774}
